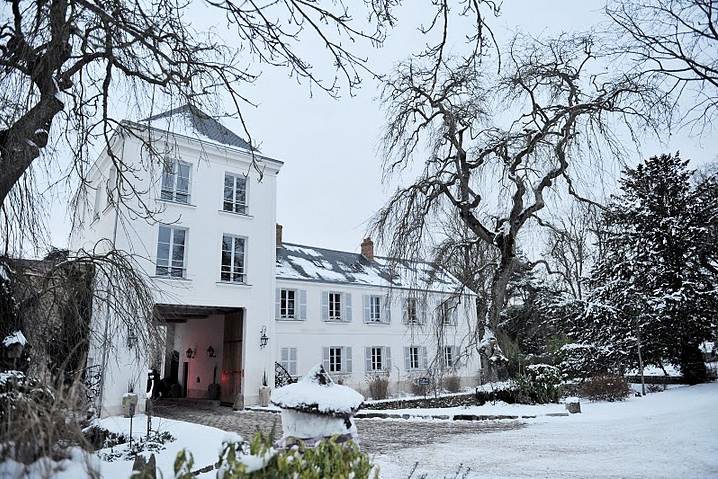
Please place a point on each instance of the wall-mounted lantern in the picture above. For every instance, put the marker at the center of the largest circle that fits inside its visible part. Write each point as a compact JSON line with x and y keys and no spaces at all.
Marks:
{"x":263,"y":338}
{"x":211,"y":353}
{"x":190,"y":353}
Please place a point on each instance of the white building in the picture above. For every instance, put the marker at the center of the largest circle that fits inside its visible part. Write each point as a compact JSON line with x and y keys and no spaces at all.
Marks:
{"x":235,"y":298}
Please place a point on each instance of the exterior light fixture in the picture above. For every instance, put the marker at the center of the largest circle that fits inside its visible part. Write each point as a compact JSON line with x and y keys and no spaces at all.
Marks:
{"x":211,"y":353}
{"x":263,"y":339}
{"x":190,"y":353}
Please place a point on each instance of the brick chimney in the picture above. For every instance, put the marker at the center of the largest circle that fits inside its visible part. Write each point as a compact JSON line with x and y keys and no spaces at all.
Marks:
{"x":279,"y":235}
{"x":367,"y":249}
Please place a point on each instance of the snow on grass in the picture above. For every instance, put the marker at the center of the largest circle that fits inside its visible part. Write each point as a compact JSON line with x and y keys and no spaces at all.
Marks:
{"x":78,"y":465}
{"x":663,"y":435}
{"x":203,"y":442}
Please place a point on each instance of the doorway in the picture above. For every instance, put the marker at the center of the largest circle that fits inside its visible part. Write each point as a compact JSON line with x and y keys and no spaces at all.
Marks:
{"x":231,"y":379}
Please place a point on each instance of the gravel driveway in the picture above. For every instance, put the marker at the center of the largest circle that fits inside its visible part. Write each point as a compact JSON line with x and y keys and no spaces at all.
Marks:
{"x":378,"y":436}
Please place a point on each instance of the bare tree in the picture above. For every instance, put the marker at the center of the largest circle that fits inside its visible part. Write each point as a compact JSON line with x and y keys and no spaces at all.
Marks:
{"x":495,"y":178}
{"x":64,"y":63}
{"x":676,"y":42}
{"x":573,"y":243}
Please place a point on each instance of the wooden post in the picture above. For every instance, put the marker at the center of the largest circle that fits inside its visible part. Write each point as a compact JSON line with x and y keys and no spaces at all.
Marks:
{"x":640,"y":360}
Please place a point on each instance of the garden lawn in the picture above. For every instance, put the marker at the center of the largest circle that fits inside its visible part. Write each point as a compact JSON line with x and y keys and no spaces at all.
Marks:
{"x":668,"y":434}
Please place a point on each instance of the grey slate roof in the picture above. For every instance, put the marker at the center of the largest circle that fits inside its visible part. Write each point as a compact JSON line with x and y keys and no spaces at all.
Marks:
{"x":307,"y":263}
{"x":202,"y":124}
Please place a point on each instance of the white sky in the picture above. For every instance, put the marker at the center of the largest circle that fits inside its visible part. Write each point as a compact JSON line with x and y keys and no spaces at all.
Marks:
{"x":330,"y":185}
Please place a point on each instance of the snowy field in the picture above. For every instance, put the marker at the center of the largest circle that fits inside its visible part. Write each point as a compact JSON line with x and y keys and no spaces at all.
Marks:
{"x":671,"y":434}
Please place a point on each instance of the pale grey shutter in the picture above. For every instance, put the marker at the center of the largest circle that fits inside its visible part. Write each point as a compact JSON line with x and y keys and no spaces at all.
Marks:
{"x":325,"y":358}
{"x":387,"y":355}
{"x":386,"y":313}
{"x":424,"y":358}
{"x":347,"y":297}
{"x":348,"y":358}
{"x":367,"y":358}
{"x":325,"y":305}
{"x":421,"y":313}
{"x":407,"y":358}
{"x":277,"y":303}
{"x":293,"y":361}
{"x":302,"y":304}
{"x":455,"y":315}
{"x":367,"y":307}
{"x":405,"y":311}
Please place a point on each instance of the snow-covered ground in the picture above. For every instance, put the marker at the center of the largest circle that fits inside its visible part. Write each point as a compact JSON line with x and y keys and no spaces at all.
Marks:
{"x":499,"y":408}
{"x":203,"y":442}
{"x":669,"y":434}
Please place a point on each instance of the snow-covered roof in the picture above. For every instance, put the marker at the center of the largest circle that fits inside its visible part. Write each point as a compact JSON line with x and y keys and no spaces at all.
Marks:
{"x":316,"y":392}
{"x":191,"y":122}
{"x":299,"y":262}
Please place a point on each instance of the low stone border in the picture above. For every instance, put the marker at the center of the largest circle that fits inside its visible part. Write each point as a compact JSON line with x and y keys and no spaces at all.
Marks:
{"x":455,"y":417}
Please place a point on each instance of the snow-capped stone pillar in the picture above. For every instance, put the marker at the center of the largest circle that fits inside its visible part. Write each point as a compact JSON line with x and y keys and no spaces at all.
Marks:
{"x":316,"y":408}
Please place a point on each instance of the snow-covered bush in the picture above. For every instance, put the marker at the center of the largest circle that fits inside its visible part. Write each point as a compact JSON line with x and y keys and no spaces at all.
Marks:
{"x":605,"y":388}
{"x":378,"y":387}
{"x":38,"y":421}
{"x":540,"y":383}
{"x":259,"y":460}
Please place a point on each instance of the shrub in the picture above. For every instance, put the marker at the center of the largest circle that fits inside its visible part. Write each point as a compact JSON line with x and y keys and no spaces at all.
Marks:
{"x":541,"y":384}
{"x":259,"y":460}
{"x":378,"y":387}
{"x":419,"y":389}
{"x":452,"y":383}
{"x":605,"y":388}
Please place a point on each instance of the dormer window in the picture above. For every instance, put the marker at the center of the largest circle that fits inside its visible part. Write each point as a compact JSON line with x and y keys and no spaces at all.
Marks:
{"x":176,"y":181}
{"x":235,"y":193}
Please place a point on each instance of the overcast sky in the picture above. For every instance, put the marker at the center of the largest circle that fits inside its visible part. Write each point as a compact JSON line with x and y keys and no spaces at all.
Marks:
{"x":330,"y":184}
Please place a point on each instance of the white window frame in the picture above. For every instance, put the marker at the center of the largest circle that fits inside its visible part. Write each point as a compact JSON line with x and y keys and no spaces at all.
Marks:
{"x":169,"y":192}
{"x":284,"y":301}
{"x":336,"y":358}
{"x":335,"y":301}
{"x":169,"y":266}
{"x":234,"y":206}
{"x":449,"y":356}
{"x":414,"y":357}
{"x":242,"y":273}
{"x":375,"y":309}
{"x":411,"y":301}
{"x":377,"y":358}
{"x":288,"y":359}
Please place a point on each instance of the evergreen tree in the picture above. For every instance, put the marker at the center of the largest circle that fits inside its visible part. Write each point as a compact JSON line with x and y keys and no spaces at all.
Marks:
{"x":656,"y":286}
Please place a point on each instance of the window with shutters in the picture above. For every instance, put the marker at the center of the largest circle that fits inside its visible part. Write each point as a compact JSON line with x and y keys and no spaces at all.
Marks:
{"x":235,"y":193}
{"x":446,"y":313}
{"x":287,"y":304}
{"x":336,"y":360}
{"x":335,"y":306}
{"x":414,"y":357}
{"x":171,"y":252}
{"x":233,"y":259}
{"x":176,"y":181}
{"x":288,"y":360}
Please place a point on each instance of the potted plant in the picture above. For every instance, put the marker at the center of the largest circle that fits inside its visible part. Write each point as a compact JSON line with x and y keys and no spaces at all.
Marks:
{"x":264,"y":391}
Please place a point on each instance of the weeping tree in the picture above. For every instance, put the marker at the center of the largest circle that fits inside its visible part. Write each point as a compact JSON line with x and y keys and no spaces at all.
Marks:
{"x":490,"y":148}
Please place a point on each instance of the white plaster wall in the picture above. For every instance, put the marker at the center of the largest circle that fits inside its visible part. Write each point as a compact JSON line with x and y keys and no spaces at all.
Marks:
{"x":206,"y":224}
{"x":313,"y":334}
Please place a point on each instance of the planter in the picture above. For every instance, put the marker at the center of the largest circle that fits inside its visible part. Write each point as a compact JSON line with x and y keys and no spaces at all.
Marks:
{"x":264,"y":394}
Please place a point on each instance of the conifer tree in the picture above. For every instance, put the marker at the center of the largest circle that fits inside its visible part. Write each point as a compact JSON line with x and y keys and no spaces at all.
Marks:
{"x":656,"y":286}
